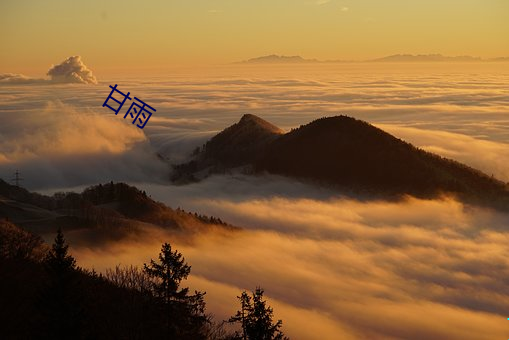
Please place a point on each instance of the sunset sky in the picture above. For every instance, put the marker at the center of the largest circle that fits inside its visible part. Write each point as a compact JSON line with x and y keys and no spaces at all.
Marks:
{"x":136,"y":35}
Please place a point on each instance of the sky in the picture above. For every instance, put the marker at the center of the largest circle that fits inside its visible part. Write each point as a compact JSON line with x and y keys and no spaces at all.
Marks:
{"x":133,"y":36}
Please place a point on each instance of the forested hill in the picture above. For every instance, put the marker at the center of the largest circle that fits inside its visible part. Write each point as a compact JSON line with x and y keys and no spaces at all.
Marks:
{"x":350,"y":155}
{"x":116,"y":208}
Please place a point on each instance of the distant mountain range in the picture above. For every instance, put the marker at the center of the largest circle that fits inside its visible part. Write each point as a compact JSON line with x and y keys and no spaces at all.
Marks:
{"x":344,"y":153}
{"x":426,"y":58}
{"x":279,"y":59}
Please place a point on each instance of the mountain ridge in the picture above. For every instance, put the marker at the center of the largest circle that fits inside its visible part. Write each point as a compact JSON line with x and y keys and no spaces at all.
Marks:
{"x":352,"y":156}
{"x":116,"y":208}
{"x":397,"y":58}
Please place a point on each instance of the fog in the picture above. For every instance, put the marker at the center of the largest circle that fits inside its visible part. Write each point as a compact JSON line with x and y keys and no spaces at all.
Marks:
{"x":418,"y":103}
{"x":331,"y":266}
{"x":423,"y":269}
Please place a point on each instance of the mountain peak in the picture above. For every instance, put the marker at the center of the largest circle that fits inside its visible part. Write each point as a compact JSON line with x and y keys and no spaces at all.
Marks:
{"x":237,"y":145}
{"x":249,"y":117}
{"x":278,"y":59}
{"x":254,"y":122}
{"x":241,"y":142}
{"x":346,"y":153}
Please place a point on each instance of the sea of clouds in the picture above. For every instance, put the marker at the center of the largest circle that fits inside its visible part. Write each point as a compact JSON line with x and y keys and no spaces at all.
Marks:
{"x":337,"y":268}
{"x":456,"y":111}
{"x":332,"y":267}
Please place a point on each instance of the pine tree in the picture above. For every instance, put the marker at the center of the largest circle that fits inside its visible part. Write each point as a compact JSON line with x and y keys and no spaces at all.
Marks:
{"x":185,"y":316}
{"x":241,"y":316}
{"x":61,"y":298}
{"x":58,"y":260}
{"x":256,"y":317}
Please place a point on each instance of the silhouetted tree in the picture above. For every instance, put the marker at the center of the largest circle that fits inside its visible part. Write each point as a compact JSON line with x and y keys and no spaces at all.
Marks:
{"x":185,"y":314}
{"x":61,"y":298}
{"x":255,"y":318}
{"x":17,"y":243}
{"x":58,"y":260}
{"x":129,"y":277}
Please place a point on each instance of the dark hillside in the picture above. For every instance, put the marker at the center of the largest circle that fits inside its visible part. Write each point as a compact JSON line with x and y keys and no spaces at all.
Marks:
{"x":346,"y":153}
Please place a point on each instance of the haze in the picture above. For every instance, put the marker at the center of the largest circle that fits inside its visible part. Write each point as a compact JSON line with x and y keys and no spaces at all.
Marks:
{"x":135,"y":37}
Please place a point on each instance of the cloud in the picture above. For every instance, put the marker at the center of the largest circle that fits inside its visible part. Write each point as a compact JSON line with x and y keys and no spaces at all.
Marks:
{"x":344,"y":9}
{"x":17,"y":78}
{"x":420,"y":269}
{"x":72,"y":70}
{"x":60,"y":130}
{"x":69,"y":146}
{"x":340,"y":268}
{"x":193,"y":107}
{"x":488,"y":156}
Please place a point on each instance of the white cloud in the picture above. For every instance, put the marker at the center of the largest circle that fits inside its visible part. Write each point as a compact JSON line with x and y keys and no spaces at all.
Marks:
{"x":72,"y":70}
{"x":66,"y":146}
{"x":61,"y":130}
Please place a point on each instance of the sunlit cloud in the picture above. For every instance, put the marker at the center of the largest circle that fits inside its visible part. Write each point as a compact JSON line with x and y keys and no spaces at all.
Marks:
{"x":191,"y":108}
{"x":17,"y":78}
{"x":488,"y":156}
{"x":434,"y":269}
{"x":60,"y":129}
{"x":70,"y":146}
{"x":344,"y":264}
{"x":71,"y":70}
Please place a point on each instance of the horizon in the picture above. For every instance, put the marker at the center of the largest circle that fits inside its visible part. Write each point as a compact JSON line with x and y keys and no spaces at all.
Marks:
{"x":199,"y":33}
{"x":257,"y":66}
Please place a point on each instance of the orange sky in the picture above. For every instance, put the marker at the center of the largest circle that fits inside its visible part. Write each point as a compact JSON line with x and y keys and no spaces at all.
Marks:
{"x":135,"y":35}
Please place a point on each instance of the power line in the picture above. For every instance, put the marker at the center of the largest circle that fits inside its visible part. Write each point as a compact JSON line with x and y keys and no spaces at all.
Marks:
{"x":16,"y":178}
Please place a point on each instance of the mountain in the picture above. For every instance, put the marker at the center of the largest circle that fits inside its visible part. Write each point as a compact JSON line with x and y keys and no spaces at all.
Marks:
{"x":233,"y":147}
{"x":276,"y":59}
{"x":348,"y":154}
{"x":116,"y":209}
{"x":396,"y":58}
{"x":426,"y":58}
{"x":500,"y":59}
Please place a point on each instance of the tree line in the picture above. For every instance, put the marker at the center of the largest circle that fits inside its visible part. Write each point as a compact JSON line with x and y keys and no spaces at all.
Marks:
{"x":49,"y":296}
